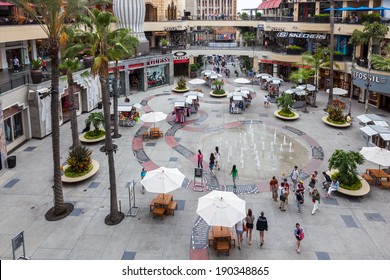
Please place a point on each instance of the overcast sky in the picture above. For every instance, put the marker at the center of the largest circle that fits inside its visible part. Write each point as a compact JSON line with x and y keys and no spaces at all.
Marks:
{"x":247,"y":4}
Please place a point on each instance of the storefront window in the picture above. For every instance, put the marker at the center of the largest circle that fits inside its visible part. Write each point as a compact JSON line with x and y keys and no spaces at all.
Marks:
{"x":13,"y":127}
{"x":157,"y":75}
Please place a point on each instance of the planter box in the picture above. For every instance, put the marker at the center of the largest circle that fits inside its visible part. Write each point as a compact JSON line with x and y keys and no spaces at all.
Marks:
{"x":36,"y":76}
{"x":294,"y":52}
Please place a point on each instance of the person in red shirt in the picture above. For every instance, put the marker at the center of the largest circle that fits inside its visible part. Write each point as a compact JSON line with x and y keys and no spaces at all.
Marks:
{"x":200,"y":159}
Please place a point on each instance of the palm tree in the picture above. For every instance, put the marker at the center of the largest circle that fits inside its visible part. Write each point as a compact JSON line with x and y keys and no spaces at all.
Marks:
{"x":120,"y":45}
{"x":96,"y":119}
{"x":98,"y":32}
{"x":302,"y":75}
{"x":52,"y":16}
{"x":382,"y":63}
{"x":372,"y":32}
{"x":331,"y":47}
{"x":249,"y":38}
{"x":356,"y":39}
{"x":316,"y":61}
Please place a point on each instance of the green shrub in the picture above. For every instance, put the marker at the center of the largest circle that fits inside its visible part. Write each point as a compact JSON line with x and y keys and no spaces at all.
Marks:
{"x":285,"y":102}
{"x":371,"y":18}
{"x":96,"y":119}
{"x":194,"y":67}
{"x":321,"y":16}
{"x":294,"y":47}
{"x":36,"y":64}
{"x":219,"y":91}
{"x":346,"y":163}
{"x":94,"y":134}
{"x":338,"y":53}
{"x":181,"y":83}
{"x":354,"y":187}
{"x":336,"y":114}
{"x":79,"y":160}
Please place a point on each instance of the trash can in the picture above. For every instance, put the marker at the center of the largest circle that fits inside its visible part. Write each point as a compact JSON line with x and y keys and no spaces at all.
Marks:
{"x":100,"y":105}
{"x":11,"y":161}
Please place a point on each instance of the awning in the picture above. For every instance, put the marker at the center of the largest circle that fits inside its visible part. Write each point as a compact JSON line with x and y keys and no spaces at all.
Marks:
{"x":6,"y":4}
{"x":381,"y":123}
{"x":181,"y":61}
{"x":368,"y":130}
{"x":366,"y":118}
{"x":272,"y":4}
{"x":385,"y":136}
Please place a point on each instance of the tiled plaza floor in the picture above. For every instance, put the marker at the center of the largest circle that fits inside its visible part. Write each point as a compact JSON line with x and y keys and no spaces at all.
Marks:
{"x":344,"y":228}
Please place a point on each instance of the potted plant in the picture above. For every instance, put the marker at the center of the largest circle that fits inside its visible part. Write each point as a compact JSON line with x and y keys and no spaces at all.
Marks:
{"x":218,"y":91}
{"x":335,"y":117}
{"x":285,"y":103}
{"x":164,"y":43}
{"x":322,"y":18}
{"x":36,"y":71}
{"x":293,"y":49}
{"x":97,"y":134}
{"x":339,"y":56}
{"x":181,"y":85}
{"x":345,"y":165}
{"x":193,"y":70}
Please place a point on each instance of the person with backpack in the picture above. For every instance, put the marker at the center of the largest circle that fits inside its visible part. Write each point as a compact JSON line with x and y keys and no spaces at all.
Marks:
{"x":315,"y":196}
{"x":299,"y":193}
{"x":282,"y":196}
{"x":327,"y":182}
{"x":200,"y":159}
{"x":261,"y":226}
{"x":299,"y":234}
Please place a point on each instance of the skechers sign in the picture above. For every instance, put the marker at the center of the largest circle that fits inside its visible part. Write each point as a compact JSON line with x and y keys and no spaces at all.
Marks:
{"x":376,"y":82}
{"x":301,"y":35}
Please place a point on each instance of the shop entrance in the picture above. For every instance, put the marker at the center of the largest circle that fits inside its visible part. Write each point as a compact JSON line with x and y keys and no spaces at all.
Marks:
{"x":136,"y":80}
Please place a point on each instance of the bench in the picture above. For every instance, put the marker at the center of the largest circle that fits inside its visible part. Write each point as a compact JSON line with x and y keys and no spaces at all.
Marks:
{"x":385,"y":184}
{"x":232,"y":239}
{"x":172,"y":206}
{"x":223,"y":246}
{"x":211,"y":238}
{"x":145,"y":135}
{"x":160,"y":134}
{"x":154,"y":135}
{"x":158,"y":211}
{"x":368,"y":178}
{"x":152,"y":205}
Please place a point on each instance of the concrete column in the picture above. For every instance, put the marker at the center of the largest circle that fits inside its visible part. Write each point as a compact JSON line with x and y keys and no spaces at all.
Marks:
{"x":344,"y":13}
{"x":34,"y":54}
{"x":171,"y":73}
{"x":371,"y":5}
{"x":3,"y":57}
{"x":145,"y":88}
{"x":127,"y":79}
{"x":255,"y":64}
{"x":318,"y":8}
{"x":25,"y":58}
{"x":296,"y":10}
{"x":275,"y":70}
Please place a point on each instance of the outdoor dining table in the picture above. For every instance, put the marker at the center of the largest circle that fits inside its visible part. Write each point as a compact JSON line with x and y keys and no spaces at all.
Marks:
{"x":163,"y":200}
{"x":155,"y":132}
{"x":378,"y":174}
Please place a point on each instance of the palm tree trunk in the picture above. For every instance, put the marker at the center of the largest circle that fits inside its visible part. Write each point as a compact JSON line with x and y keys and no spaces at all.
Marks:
{"x":115,"y":217}
{"x":60,"y":210}
{"x":316,"y":88}
{"x":370,"y":43}
{"x":73,"y":113}
{"x":352,"y":69}
{"x":115,"y":86}
{"x":331,"y":47}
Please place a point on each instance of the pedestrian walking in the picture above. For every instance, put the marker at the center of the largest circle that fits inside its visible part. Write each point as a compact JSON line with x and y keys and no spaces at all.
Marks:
{"x":299,"y":234}
{"x":282,"y":196}
{"x":287,"y":190}
{"x":239,"y":231}
{"x":295,"y":176}
{"x":143,"y":174}
{"x":16,"y":64}
{"x":234,"y":173}
{"x":200,"y":159}
{"x":212,"y":163}
{"x":333,"y":187}
{"x":250,"y":218}
{"x":327,"y":181}
{"x":313,"y":181}
{"x":299,"y":193}
{"x":261,"y":226}
{"x":273,"y":187}
{"x":44,"y":67}
{"x":217,"y":157}
{"x":315,"y":196}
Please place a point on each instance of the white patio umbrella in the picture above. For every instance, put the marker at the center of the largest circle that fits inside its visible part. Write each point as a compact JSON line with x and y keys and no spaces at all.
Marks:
{"x":153,"y":117}
{"x":197,"y":82}
{"x":163,"y":180}
{"x":221,"y":208}
{"x":376,"y":155}
{"x":338,"y":91}
{"x":242,"y":81}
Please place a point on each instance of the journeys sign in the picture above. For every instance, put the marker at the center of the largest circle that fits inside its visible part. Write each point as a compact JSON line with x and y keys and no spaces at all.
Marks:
{"x":301,"y":35}
{"x":377,"y":82}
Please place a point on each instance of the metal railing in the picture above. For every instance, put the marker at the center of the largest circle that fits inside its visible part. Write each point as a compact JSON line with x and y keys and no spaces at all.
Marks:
{"x":14,"y":82}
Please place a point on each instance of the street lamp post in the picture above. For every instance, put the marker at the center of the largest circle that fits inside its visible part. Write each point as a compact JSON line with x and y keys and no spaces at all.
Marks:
{"x":331,"y":47}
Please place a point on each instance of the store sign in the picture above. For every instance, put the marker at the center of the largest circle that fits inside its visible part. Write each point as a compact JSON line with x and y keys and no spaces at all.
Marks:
{"x":277,"y":29}
{"x":301,"y":35}
{"x":174,"y":28}
{"x":260,"y":27}
{"x":376,"y":82}
{"x":158,"y":61}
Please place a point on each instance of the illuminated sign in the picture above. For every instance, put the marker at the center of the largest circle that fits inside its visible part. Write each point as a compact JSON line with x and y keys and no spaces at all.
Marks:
{"x":301,"y":35}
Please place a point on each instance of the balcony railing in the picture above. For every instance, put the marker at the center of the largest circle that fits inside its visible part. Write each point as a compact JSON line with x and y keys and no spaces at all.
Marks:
{"x":14,"y":82}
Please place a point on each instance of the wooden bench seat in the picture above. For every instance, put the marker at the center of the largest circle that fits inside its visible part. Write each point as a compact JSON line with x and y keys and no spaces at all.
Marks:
{"x":223,"y":246}
{"x":160,"y":134}
{"x":172,"y":206}
{"x":152,"y":205}
{"x":158,"y":211}
{"x":145,"y":135}
{"x":211,"y":238}
{"x":385,"y":184}
{"x":232,"y":239}
{"x":368,"y":178}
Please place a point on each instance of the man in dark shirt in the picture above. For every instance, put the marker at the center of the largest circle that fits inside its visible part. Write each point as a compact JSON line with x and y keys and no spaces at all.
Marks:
{"x":327,"y":181}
